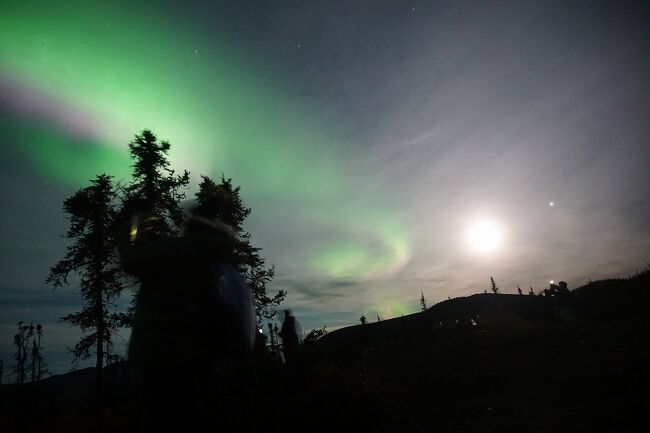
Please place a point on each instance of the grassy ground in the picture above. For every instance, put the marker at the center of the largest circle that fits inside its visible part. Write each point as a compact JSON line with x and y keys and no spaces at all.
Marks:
{"x":536,"y":379}
{"x":529,"y":366}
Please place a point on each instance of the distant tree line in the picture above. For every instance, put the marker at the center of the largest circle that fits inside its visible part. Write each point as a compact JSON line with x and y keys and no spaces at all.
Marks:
{"x":559,"y":289}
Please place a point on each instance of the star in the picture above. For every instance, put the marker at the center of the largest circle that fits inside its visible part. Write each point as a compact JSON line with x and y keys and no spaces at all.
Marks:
{"x":551,"y":203}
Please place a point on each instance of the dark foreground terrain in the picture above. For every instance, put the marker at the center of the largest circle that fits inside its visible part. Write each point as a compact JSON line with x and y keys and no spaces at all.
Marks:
{"x":578,"y":363}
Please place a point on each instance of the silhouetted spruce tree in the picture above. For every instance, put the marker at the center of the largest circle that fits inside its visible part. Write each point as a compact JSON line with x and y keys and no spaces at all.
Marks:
{"x":276,"y":331}
{"x":93,"y":258}
{"x":38,"y":365}
{"x":21,"y":341}
{"x":155,"y":188}
{"x":155,"y":191}
{"x":423,"y":301}
{"x":363,"y":319}
{"x":271,"y":336}
{"x":314,"y":335}
{"x":495,"y":289}
{"x":223,"y":201}
{"x":2,"y":370}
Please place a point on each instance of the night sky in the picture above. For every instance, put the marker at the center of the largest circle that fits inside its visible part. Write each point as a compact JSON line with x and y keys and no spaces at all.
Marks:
{"x":385,"y":147}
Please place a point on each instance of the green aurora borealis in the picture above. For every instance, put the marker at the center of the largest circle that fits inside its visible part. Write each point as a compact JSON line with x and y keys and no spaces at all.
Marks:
{"x":79,"y":80}
{"x":387,"y":149}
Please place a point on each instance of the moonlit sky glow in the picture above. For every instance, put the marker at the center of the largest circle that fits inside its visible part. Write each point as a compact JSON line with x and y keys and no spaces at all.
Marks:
{"x":385,"y":147}
{"x":485,"y":236}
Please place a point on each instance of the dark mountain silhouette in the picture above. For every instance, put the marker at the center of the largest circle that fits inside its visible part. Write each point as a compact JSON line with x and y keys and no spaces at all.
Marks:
{"x":64,"y":399}
{"x":605,"y":300}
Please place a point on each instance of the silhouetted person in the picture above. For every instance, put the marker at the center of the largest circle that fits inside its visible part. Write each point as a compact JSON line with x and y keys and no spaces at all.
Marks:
{"x":183,"y":322}
{"x":290,"y":334}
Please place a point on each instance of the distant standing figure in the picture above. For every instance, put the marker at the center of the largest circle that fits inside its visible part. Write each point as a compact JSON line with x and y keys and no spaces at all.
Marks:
{"x":290,"y":337}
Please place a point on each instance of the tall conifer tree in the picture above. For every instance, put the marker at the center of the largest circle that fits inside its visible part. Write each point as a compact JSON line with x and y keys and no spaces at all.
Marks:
{"x":223,"y":201}
{"x":494,"y":287}
{"x":155,"y":189}
{"x":93,"y":259}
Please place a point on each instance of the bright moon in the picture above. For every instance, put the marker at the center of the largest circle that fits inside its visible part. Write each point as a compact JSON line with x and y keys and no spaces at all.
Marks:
{"x":485,"y":236}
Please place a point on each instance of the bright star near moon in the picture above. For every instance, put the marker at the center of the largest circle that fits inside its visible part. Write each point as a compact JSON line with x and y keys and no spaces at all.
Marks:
{"x":551,"y":203}
{"x":484,"y":236}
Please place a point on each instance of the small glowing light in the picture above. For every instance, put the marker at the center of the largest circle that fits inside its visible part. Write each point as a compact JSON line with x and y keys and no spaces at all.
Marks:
{"x":260,"y":331}
{"x":134,"y":233}
{"x":552,"y":282}
{"x":551,"y":203}
{"x":134,"y":228}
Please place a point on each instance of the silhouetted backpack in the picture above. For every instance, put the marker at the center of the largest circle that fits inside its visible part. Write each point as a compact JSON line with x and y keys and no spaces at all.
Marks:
{"x":230,"y":305}
{"x":171,"y":328}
